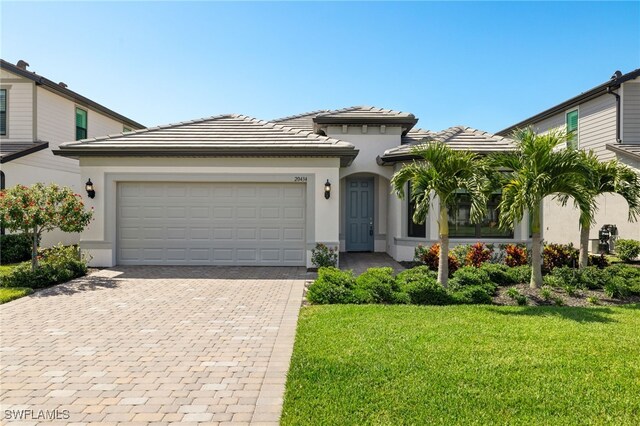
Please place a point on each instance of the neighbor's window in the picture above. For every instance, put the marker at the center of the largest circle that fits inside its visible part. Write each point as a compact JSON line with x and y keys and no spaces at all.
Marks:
{"x":460,"y":225}
{"x":572,"y":127}
{"x":81,"y":124}
{"x":413,"y":229}
{"x":3,"y":112}
{"x":126,"y":129}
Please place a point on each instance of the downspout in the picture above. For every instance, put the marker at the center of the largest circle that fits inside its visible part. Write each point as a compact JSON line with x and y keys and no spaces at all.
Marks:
{"x":611,"y":92}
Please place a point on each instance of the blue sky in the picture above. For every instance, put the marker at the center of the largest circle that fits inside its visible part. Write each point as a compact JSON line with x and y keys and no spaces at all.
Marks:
{"x":486,"y":65}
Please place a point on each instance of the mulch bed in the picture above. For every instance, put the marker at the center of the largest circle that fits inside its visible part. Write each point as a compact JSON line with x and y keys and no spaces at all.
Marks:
{"x":579,"y":298}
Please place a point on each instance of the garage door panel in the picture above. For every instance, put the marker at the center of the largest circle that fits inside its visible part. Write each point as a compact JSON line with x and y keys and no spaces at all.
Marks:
{"x":211,"y":223}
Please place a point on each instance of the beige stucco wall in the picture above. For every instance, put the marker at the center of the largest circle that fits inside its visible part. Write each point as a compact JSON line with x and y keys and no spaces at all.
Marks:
{"x":322,"y":214}
{"x":371,"y":141}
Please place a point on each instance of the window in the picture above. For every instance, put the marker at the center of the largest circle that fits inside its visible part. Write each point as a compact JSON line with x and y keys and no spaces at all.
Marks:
{"x":460,"y":225}
{"x":126,"y":129}
{"x":413,"y":229}
{"x":3,"y":112}
{"x":572,"y":128}
{"x":81,"y":124}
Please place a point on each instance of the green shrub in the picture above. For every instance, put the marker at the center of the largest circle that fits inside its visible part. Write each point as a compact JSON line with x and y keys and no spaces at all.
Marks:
{"x":499,"y":274}
{"x":553,"y":281}
{"x":627,"y":250}
{"x":593,"y":300}
{"x":418,"y":273}
{"x":377,"y":285}
{"x":629,"y":276}
{"x":323,"y":256}
{"x":460,"y":251}
{"x":59,"y":264}
{"x":513,"y":293}
{"x":522,"y":300}
{"x":567,"y":276}
{"x":15,"y":248}
{"x":617,"y":287}
{"x":520,"y":274}
{"x":474,"y":294}
{"x":468,"y":276}
{"x":545,"y":293}
{"x":332,"y":286}
{"x":593,"y":278}
{"x":427,"y":292}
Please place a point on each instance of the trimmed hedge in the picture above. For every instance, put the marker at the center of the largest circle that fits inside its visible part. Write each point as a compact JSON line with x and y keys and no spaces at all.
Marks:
{"x":15,"y":248}
{"x":469,"y":285}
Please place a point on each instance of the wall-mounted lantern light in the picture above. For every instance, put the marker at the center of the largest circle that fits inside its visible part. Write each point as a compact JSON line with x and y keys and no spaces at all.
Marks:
{"x":89,"y":187}
{"x":327,"y":189}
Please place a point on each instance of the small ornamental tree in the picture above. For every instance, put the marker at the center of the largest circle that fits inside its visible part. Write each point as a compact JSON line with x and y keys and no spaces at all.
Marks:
{"x":40,"y":208}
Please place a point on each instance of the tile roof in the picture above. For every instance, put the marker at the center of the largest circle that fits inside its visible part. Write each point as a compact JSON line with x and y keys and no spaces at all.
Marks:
{"x":300,"y":121}
{"x":630,"y":150}
{"x":457,"y":137}
{"x":223,"y":135}
{"x":355,"y":114}
{"x":13,"y":150}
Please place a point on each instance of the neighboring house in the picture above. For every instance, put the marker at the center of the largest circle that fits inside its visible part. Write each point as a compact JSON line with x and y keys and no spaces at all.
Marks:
{"x":233,"y":190}
{"x":605,"y":119}
{"x":36,"y":115}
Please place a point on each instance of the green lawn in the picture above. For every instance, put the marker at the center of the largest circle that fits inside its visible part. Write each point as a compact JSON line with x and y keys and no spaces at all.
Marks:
{"x":465,"y":365}
{"x":9,"y":294}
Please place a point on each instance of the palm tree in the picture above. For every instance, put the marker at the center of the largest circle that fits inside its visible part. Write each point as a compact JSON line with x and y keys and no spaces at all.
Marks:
{"x":606,"y":177}
{"x":440,"y":171}
{"x":536,"y":169}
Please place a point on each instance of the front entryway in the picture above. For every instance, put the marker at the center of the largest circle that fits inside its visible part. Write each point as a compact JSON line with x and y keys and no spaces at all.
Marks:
{"x":359,"y":220}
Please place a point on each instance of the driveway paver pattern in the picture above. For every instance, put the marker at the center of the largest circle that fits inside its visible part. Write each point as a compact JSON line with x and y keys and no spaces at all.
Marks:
{"x":153,"y":345}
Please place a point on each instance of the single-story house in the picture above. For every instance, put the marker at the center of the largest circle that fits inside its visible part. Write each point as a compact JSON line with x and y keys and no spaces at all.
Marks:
{"x":234,"y":190}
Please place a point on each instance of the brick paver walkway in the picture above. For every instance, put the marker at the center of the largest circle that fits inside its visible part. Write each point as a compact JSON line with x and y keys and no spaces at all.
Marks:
{"x":145,"y":345}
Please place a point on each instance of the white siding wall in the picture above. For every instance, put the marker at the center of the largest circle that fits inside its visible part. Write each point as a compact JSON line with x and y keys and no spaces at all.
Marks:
{"x":596,"y":128}
{"x":631,"y":112}
{"x":55,"y":123}
{"x":19,"y":107}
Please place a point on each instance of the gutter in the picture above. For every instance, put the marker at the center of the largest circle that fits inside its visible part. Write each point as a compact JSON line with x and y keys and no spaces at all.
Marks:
{"x":593,"y":93}
{"x":346,"y":155}
{"x":610,"y":91}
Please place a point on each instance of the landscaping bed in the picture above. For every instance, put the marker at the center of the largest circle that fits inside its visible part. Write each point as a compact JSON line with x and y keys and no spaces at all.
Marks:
{"x":443,"y":365}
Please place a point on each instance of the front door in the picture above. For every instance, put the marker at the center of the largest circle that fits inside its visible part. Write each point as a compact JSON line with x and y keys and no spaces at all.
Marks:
{"x":359,"y":223}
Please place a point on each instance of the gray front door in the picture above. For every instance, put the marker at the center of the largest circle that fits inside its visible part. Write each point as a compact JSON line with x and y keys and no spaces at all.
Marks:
{"x":359,"y":223}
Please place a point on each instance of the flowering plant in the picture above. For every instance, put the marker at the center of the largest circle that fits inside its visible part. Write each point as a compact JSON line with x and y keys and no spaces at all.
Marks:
{"x":40,"y":208}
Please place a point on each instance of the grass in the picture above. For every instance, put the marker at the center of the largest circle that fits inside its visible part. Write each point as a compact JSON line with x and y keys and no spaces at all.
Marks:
{"x":12,"y":293}
{"x":6,"y":269}
{"x":464,"y":365}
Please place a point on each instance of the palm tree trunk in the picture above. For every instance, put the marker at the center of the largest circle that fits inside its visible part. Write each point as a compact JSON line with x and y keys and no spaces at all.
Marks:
{"x":584,"y":246}
{"x":536,"y":250}
{"x":443,"y":261}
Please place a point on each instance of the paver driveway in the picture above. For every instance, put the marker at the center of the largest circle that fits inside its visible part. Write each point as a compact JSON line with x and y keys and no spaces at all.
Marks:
{"x":153,"y":345}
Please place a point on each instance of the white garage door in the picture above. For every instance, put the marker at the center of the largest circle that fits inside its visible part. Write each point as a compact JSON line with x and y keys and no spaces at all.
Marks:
{"x":195,"y":223}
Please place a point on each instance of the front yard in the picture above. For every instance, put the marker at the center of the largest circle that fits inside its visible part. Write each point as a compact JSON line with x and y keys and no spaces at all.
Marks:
{"x":380,"y":364}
